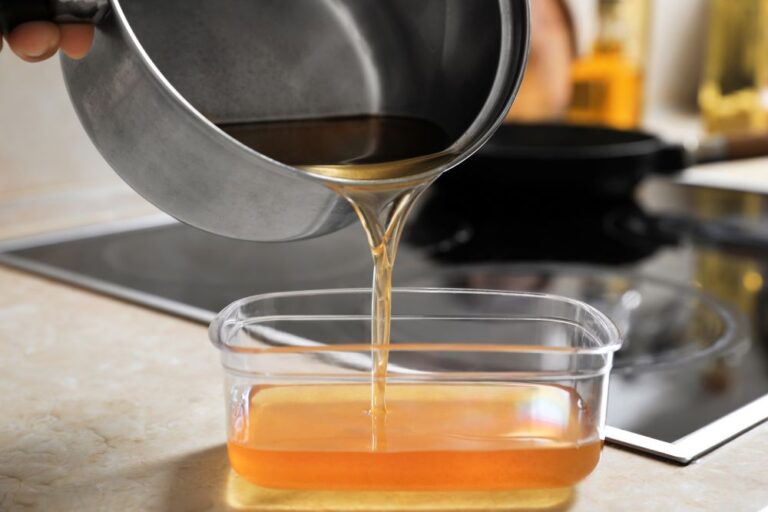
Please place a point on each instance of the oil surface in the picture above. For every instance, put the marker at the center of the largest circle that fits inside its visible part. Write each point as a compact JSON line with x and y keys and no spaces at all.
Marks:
{"x":356,"y":148}
{"x":438,"y":437}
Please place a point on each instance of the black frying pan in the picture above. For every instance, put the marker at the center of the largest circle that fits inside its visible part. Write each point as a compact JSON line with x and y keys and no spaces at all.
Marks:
{"x":556,"y":192}
{"x":595,"y":160}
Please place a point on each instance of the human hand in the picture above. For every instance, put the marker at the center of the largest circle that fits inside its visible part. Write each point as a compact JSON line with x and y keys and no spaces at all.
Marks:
{"x":37,"y":40}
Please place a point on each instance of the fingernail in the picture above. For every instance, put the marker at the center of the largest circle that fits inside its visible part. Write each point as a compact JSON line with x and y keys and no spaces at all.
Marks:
{"x":37,"y":53}
{"x":40,"y":51}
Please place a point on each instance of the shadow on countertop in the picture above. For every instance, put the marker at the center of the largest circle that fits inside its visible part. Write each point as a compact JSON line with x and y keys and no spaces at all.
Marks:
{"x":198,"y":482}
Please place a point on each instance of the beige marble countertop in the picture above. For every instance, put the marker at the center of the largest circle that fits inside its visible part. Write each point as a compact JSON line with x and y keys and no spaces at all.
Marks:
{"x":110,"y":406}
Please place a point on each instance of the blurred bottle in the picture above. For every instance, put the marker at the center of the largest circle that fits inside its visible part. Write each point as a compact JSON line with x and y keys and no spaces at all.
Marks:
{"x":608,"y":83}
{"x":734,"y":94}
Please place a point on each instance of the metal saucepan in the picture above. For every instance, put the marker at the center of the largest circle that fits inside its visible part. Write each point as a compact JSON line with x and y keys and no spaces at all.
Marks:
{"x":161,"y":74}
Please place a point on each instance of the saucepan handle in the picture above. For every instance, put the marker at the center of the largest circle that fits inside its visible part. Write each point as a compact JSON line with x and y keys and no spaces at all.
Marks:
{"x":16,"y":12}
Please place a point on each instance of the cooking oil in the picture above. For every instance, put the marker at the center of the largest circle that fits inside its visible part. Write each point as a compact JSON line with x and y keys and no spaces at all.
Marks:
{"x":438,"y":437}
{"x":361,"y":149}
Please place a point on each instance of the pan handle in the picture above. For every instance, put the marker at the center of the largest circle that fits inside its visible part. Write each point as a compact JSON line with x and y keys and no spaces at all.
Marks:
{"x":739,"y":146}
{"x":747,"y":146}
{"x":672,"y":159}
{"x":16,"y":12}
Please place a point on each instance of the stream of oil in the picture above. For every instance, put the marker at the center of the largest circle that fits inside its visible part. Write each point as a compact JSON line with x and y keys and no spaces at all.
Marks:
{"x":362,"y":150}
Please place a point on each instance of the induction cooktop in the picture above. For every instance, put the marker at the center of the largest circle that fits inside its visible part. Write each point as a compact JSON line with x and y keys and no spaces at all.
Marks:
{"x":683,"y":282}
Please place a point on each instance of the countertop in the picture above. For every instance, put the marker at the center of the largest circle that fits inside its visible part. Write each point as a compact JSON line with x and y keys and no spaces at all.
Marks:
{"x":110,"y":406}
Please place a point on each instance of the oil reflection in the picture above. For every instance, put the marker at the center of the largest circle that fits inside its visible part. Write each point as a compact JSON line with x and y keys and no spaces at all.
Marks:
{"x":242,"y":495}
{"x":204,"y":481}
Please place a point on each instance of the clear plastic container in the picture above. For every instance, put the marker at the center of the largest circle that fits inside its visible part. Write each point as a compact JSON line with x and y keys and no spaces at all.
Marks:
{"x":485,"y":392}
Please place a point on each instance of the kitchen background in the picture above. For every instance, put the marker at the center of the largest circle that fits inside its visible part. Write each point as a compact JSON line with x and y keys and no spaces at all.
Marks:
{"x":52,"y":178}
{"x":47,"y":160}
{"x":47,"y":164}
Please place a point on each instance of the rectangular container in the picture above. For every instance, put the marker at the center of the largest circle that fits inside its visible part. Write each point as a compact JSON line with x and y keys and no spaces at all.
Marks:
{"x":495,"y":393}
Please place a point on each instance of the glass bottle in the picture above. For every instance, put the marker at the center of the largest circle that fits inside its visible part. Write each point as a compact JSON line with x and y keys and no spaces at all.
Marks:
{"x":734,"y":93}
{"x":608,"y":82}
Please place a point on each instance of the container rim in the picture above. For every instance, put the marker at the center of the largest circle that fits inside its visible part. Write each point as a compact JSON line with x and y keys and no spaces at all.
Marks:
{"x":609,"y":336}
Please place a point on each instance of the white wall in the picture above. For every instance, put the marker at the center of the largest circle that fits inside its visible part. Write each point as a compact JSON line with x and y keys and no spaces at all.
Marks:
{"x":51,"y":176}
{"x":41,"y":140}
{"x":678,"y":41}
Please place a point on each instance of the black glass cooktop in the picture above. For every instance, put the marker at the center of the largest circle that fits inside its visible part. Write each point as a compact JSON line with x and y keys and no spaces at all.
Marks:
{"x":683,"y":275}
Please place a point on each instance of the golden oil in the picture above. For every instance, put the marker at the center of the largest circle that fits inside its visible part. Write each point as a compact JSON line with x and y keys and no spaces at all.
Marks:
{"x":608,"y":83}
